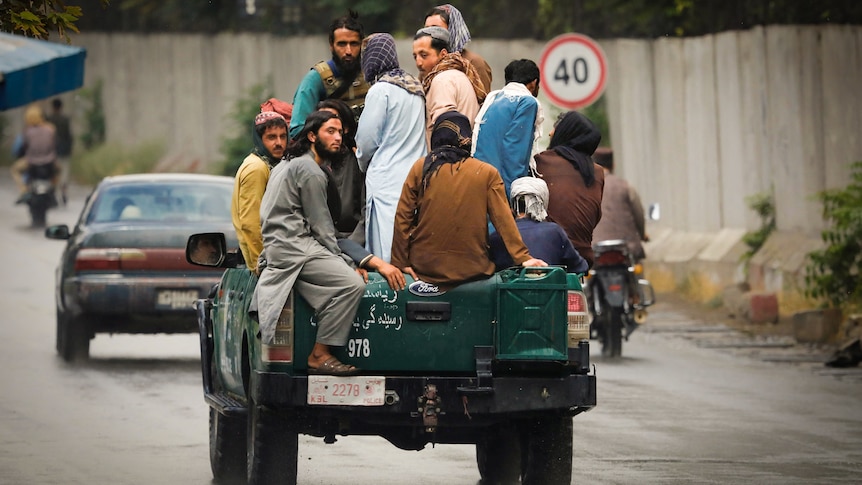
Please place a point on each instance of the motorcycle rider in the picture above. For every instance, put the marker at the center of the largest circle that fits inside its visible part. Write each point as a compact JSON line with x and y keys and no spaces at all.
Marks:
{"x":38,"y":150}
{"x":622,"y":211}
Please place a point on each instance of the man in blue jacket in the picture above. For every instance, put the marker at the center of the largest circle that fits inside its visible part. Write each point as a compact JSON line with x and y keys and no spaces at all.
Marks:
{"x":510,"y":122}
{"x":544,"y":239}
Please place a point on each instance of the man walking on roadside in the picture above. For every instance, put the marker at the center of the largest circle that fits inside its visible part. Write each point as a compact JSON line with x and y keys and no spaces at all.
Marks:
{"x":63,"y":142}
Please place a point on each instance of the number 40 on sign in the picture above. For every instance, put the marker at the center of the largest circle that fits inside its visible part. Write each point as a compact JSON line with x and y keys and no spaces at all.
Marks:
{"x":574,"y":71}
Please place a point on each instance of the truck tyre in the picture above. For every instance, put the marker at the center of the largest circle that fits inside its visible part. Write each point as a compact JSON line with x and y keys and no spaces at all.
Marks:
{"x":273,"y":446}
{"x":612,"y":339}
{"x":548,"y":457}
{"x":498,"y":455}
{"x":227,"y":448}
{"x":73,"y":338}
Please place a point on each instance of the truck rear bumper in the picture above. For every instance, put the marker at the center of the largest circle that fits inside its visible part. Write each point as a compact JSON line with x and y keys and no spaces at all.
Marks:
{"x":457,"y":396}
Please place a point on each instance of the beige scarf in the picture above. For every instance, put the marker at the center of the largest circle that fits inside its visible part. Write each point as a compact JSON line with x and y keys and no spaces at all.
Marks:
{"x":453,"y":60}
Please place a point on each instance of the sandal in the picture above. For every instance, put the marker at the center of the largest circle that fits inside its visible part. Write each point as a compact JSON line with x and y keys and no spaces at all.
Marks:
{"x":333,"y":367}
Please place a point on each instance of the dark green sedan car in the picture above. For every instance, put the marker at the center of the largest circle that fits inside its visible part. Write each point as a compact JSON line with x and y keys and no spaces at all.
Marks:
{"x":124,"y":268}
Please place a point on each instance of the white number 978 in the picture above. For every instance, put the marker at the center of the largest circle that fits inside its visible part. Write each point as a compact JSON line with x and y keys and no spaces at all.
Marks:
{"x":358,"y":347}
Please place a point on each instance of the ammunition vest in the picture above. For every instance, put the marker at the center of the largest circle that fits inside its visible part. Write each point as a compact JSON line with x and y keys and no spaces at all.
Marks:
{"x":354,"y":95}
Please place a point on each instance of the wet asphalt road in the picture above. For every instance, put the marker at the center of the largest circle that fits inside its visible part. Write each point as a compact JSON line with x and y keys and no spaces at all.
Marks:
{"x":681,"y":406}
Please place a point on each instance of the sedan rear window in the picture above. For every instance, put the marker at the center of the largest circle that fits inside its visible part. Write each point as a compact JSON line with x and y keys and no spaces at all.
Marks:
{"x":163,"y":202}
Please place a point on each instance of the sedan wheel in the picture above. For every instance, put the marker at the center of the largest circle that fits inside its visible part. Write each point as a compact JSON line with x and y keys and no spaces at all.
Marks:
{"x":73,"y":338}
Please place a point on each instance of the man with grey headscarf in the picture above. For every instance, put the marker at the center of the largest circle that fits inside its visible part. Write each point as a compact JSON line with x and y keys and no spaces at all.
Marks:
{"x":450,"y":82}
{"x":544,"y":239}
{"x":390,"y":137}
{"x":450,"y":18}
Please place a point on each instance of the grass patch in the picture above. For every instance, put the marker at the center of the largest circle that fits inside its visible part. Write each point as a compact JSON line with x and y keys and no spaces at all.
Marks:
{"x":92,"y":166}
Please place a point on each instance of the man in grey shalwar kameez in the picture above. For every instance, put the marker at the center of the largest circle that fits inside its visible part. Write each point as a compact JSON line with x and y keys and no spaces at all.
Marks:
{"x":300,"y":247}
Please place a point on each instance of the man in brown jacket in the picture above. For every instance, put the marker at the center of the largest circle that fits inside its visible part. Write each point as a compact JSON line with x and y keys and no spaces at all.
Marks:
{"x":441,"y":230}
{"x":574,"y":181}
{"x":622,"y":211}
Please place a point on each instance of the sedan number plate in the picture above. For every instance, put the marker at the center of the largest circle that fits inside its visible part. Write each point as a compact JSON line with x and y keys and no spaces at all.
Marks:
{"x":346,"y":391}
{"x":175,"y":299}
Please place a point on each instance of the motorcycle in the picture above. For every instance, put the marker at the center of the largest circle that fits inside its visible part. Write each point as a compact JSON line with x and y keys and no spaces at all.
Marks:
{"x":40,"y":194}
{"x":618,"y":295}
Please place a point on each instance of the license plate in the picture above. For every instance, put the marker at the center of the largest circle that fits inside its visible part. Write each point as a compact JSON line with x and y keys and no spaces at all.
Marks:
{"x":346,"y":391}
{"x":176,"y":299}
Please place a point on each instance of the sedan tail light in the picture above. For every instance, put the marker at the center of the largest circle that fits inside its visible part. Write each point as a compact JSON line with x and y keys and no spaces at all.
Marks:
{"x":133,"y":259}
{"x":105,"y":259}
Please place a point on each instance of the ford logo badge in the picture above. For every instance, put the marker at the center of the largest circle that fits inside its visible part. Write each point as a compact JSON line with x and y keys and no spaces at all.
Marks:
{"x":421,"y":288}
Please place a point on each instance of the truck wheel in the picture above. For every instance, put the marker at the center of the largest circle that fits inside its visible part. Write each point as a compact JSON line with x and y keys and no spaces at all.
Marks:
{"x":273,"y":446}
{"x":227,"y":448}
{"x":498,"y":455}
{"x":612,"y":338}
{"x":73,"y":338}
{"x":548,"y":457}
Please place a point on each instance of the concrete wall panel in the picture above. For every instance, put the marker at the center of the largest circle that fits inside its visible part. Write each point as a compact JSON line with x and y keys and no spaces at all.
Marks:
{"x":671,"y":189}
{"x":753,"y":119}
{"x":731,"y":152}
{"x":635,"y":147}
{"x":784,"y":125}
{"x":704,"y":192}
{"x":841,"y":54}
{"x":812,"y":173}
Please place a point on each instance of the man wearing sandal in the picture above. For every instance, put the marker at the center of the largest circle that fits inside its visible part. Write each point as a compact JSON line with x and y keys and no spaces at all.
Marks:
{"x":300,"y":248}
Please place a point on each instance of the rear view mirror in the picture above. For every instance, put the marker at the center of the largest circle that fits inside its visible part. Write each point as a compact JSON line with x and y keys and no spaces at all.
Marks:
{"x":206,"y":249}
{"x":654,"y":211}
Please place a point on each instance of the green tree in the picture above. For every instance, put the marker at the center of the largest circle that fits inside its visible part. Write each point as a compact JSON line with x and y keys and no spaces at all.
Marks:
{"x":40,"y":18}
{"x":834,"y":274}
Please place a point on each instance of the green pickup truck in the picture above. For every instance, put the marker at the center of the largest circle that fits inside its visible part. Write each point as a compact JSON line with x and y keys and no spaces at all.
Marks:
{"x":501,"y":363}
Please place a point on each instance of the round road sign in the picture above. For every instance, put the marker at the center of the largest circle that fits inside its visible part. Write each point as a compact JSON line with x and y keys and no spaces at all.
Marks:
{"x":574,"y":70}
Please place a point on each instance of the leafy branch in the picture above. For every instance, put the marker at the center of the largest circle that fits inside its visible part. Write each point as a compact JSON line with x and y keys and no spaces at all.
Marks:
{"x":833,"y":273}
{"x":40,"y":18}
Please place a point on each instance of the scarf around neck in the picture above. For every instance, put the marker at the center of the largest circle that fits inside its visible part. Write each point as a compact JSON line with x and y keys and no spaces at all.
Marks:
{"x":453,"y":60}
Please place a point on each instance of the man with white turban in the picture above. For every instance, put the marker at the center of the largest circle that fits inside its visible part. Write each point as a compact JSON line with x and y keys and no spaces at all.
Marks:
{"x":544,"y":239}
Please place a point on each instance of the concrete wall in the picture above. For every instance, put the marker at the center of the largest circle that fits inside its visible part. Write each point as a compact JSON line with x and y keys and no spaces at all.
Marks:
{"x":698,"y":124}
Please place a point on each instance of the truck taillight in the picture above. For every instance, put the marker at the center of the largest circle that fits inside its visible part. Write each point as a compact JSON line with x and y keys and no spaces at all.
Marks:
{"x":281,"y":348}
{"x":579,"y":318}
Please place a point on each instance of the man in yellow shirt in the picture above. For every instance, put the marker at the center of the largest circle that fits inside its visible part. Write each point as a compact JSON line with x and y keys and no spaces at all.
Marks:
{"x":270,"y":141}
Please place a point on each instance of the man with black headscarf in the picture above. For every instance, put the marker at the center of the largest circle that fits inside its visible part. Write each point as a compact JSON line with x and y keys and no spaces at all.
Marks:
{"x":441,"y":230}
{"x":575,"y":182}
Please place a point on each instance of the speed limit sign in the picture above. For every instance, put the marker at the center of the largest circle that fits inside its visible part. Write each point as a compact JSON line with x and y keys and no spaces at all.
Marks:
{"x":574,"y":70}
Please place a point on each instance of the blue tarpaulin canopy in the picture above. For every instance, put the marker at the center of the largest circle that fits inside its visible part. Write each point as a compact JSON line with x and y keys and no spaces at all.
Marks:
{"x":32,"y":69}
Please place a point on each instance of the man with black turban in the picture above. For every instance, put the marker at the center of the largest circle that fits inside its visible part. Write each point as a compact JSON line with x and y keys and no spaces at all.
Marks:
{"x":441,"y":229}
{"x":575,"y":182}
